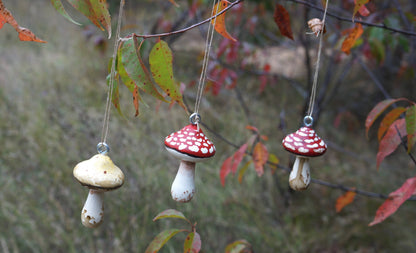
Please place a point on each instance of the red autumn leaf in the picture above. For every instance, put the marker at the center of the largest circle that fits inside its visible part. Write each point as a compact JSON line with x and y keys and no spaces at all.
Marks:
{"x":219,"y":22}
{"x":411,"y":127}
{"x":282,"y":19}
{"x":192,"y":243}
{"x":395,"y":200}
{"x":377,"y":110}
{"x":264,"y":78}
{"x":352,"y":37}
{"x":344,"y":200}
{"x":252,"y":128}
{"x":238,"y":157}
{"x":391,"y":140}
{"x":360,"y":7}
{"x":260,"y":156}
{"x":24,"y":33}
{"x":388,"y":120}
{"x":225,"y":169}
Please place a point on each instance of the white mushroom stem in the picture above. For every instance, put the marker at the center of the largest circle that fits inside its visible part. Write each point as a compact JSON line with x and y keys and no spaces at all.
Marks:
{"x":93,"y":211}
{"x":183,"y":187}
{"x":300,"y":177}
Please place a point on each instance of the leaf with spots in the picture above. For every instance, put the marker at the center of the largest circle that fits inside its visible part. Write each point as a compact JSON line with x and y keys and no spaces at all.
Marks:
{"x":96,"y":11}
{"x":395,"y":200}
{"x":377,"y":110}
{"x":24,"y":33}
{"x":57,"y":4}
{"x":136,"y":70}
{"x":219,"y":22}
{"x":170,"y":213}
{"x":411,"y":127}
{"x":161,"y":66}
{"x":344,"y":200}
{"x":192,"y":243}
{"x":260,"y":156}
{"x":360,"y":8}
{"x":353,"y":35}
{"x":161,"y":239}
{"x":391,"y":140}
{"x":388,"y":120}
{"x":282,"y":19}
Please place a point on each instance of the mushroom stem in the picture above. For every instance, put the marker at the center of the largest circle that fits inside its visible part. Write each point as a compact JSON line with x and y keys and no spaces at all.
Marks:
{"x":183,"y":187}
{"x":93,"y":211}
{"x":299,"y":177}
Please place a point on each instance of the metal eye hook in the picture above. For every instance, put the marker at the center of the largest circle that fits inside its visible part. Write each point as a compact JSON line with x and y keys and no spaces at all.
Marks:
{"x":308,"y":121}
{"x":103,"y":148}
{"x":195,"y":118}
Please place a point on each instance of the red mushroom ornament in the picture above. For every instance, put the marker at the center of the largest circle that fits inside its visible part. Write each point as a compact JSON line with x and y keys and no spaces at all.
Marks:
{"x":190,"y":145}
{"x":304,"y":143}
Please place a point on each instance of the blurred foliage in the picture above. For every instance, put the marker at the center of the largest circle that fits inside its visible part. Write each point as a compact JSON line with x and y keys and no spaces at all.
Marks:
{"x":52,"y":104}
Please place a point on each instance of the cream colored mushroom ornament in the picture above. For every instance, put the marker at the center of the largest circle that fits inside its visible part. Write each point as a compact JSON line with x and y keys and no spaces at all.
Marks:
{"x":304,"y":143}
{"x":100,"y":175}
{"x":189,"y":145}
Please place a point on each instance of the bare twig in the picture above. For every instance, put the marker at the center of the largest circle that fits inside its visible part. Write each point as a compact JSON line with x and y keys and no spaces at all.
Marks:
{"x":383,"y":26}
{"x":145,"y":36}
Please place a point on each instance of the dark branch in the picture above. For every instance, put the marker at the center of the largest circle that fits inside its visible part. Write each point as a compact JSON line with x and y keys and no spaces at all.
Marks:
{"x":383,"y":26}
{"x":145,"y":36}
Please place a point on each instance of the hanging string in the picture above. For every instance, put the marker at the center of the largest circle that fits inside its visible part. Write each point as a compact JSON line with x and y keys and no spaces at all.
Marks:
{"x":208,"y":44}
{"x":102,"y":145}
{"x":315,"y":78}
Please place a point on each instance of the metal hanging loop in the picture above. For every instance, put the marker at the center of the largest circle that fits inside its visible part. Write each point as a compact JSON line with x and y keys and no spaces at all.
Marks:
{"x":103,"y":148}
{"x":308,"y":121}
{"x":195,"y":118}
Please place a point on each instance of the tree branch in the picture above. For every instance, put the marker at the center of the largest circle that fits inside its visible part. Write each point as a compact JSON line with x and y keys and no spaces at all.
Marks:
{"x":145,"y":36}
{"x":383,"y":26}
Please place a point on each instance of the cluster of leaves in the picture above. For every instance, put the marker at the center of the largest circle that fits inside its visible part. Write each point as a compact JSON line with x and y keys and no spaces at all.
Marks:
{"x":24,"y":33}
{"x":256,"y":150}
{"x":398,"y":126}
{"x":192,"y":243}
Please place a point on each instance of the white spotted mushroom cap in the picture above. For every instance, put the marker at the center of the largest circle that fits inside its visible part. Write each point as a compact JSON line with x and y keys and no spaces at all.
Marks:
{"x":304,"y":142}
{"x":190,"y":144}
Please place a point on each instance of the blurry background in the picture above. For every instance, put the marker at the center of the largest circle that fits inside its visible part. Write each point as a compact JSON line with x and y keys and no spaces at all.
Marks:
{"x":52,"y":104}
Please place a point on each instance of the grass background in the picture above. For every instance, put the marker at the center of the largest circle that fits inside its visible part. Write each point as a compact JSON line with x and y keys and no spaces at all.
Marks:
{"x":52,"y":104}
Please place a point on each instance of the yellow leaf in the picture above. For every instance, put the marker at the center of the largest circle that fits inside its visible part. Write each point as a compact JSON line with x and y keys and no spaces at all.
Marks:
{"x":344,"y":200}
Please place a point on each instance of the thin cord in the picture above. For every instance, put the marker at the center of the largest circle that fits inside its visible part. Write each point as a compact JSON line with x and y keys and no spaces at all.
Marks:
{"x":315,"y":78}
{"x":208,"y":44}
{"x":106,"y":120}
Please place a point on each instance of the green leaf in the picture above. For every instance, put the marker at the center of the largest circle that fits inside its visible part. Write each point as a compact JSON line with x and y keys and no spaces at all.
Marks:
{"x":274,"y":161}
{"x":57,"y":4}
{"x":94,"y":12}
{"x":136,"y":70}
{"x":192,"y":243}
{"x":170,"y":213}
{"x":160,"y":60}
{"x":378,"y":50}
{"x":161,"y":239}
{"x":388,"y":120}
{"x":237,"y":246}
{"x":243,"y":170}
{"x":99,"y":8}
{"x":411,"y":127}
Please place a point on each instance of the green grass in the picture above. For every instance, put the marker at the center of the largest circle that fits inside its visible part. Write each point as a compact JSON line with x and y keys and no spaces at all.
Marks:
{"x":52,"y":105}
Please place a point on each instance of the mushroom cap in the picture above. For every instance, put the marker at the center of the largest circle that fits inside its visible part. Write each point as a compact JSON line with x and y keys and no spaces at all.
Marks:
{"x":304,"y":142}
{"x":99,"y":173}
{"x":189,"y":144}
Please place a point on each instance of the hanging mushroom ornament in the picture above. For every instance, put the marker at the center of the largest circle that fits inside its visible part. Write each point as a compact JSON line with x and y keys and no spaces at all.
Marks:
{"x":190,"y":145}
{"x":304,"y":143}
{"x":100,"y":175}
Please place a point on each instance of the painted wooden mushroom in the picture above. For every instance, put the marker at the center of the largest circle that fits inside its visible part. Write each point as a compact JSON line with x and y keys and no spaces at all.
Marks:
{"x":99,"y":174}
{"x":304,"y":143}
{"x":190,"y":145}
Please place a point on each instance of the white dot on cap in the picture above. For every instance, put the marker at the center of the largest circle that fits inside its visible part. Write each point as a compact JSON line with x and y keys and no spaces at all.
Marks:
{"x":193,"y":148}
{"x":204,"y":150}
{"x":182,"y":147}
{"x":303,"y":150}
